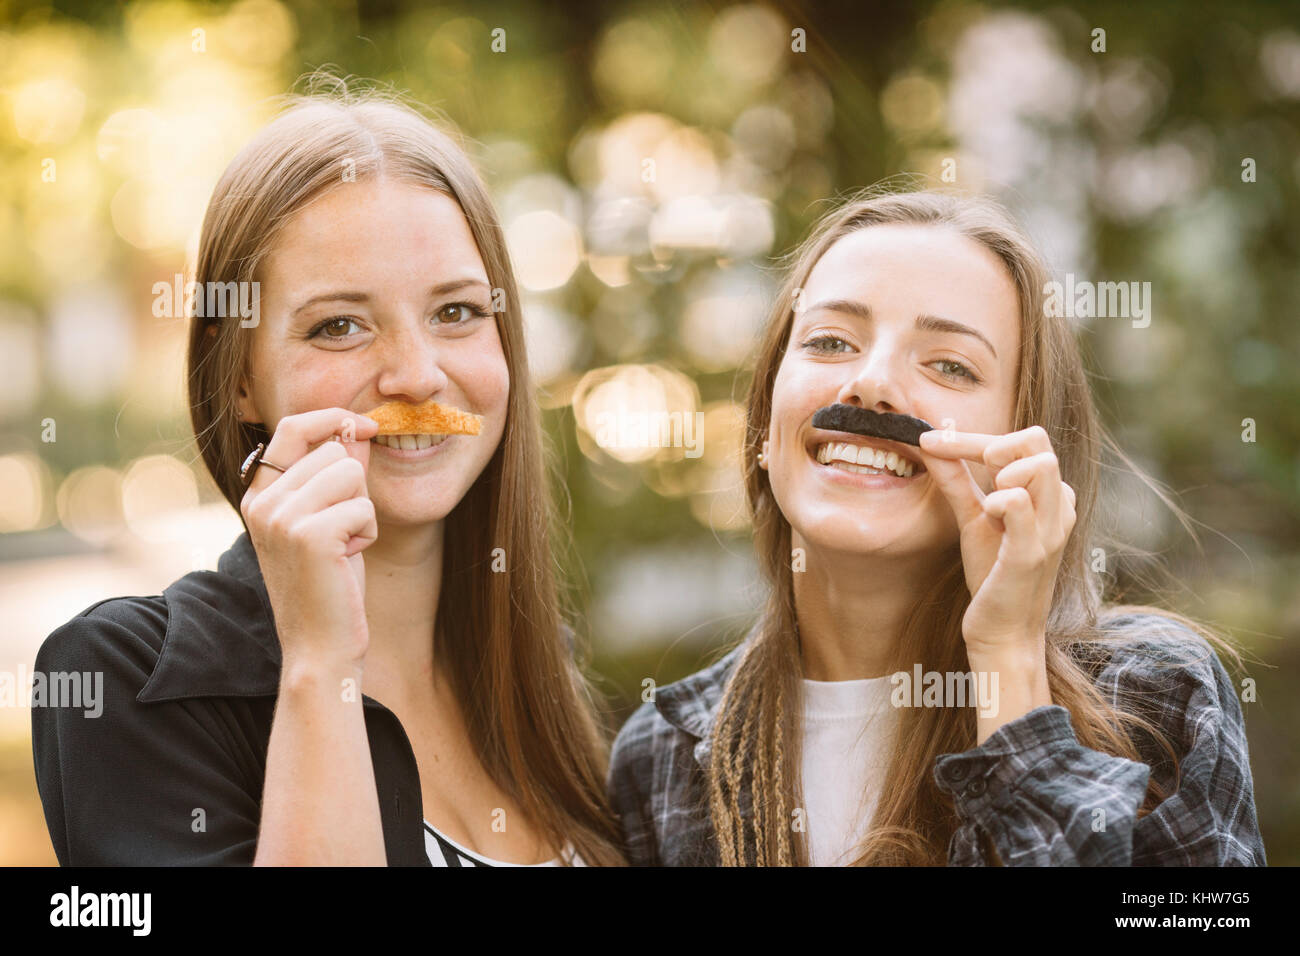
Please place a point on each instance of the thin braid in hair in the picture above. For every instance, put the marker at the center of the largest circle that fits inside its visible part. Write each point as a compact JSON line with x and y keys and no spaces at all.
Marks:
{"x":738,"y":768}
{"x":760,"y":804}
{"x":783,"y":857}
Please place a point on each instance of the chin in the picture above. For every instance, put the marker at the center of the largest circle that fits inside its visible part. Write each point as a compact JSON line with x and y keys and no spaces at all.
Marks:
{"x":870,"y":530}
{"x":857,"y":541}
{"x":406,"y":514}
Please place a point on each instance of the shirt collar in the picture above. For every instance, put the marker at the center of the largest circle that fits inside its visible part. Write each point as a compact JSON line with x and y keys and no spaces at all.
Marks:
{"x":221,"y":639}
{"x":691,"y":704}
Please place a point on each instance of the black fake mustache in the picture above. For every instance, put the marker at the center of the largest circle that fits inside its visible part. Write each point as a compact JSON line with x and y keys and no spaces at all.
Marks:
{"x":863,"y":421}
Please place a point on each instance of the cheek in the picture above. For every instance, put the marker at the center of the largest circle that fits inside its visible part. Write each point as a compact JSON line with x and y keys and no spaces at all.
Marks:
{"x":484,"y":376}
{"x":795,"y":397}
{"x":305,"y":384}
{"x":789,"y":391}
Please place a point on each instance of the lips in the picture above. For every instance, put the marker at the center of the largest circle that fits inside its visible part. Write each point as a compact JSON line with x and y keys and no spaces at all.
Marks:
{"x":820,"y":437}
{"x":409,"y":442}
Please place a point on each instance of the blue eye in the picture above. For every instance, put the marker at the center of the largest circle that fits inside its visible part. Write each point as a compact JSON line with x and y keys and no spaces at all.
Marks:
{"x":332,"y":325}
{"x":964,"y":373}
{"x":822,"y":343}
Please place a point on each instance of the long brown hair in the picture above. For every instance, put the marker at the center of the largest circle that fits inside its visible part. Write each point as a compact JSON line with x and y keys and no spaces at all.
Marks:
{"x":754,"y":783}
{"x":529,"y":710}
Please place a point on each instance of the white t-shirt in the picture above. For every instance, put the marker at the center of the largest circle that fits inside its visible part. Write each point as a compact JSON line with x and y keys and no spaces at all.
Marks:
{"x":444,"y":851}
{"x":848,"y":730}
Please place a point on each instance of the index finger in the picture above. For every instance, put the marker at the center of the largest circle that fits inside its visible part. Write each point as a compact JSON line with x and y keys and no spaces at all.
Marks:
{"x":296,"y":435}
{"x":943,"y":443}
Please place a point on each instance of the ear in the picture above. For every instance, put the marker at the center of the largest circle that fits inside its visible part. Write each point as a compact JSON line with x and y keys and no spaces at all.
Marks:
{"x":245,"y":407}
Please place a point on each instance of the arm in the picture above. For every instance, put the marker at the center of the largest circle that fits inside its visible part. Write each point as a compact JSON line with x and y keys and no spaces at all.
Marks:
{"x":309,"y":526}
{"x":1041,"y":798}
{"x":320,"y":805}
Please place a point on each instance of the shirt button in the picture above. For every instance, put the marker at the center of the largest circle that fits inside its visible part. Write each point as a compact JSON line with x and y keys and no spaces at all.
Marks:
{"x":976,"y":787}
{"x":956,"y":772}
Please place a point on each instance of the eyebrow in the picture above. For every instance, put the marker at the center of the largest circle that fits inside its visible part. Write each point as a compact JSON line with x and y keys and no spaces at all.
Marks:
{"x":347,"y":295}
{"x":924,"y":322}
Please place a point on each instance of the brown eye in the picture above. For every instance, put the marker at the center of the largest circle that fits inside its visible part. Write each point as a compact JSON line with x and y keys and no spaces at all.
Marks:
{"x":460,"y":313}
{"x":338,"y":327}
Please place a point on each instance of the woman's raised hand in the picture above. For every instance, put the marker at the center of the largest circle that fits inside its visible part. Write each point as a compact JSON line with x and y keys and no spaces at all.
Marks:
{"x":309,"y":526}
{"x":1012,"y":539}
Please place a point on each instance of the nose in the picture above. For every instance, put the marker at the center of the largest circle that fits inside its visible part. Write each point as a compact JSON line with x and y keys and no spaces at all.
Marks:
{"x":873,"y":381}
{"x":411,"y":364}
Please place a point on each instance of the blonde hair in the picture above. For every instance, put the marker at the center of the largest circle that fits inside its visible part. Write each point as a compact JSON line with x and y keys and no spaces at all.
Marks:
{"x":757,"y":731}
{"x":529,"y":710}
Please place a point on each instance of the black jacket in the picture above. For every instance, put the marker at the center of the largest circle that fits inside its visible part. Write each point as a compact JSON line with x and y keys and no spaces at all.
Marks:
{"x":171,"y":771}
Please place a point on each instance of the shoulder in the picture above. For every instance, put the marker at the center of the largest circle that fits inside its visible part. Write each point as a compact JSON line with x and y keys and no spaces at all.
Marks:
{"x":638,"y":738}
{"x":1162,"y":667}
{"x":683,"y":707}
{"x":121,"y":635}
{"x":679,"y":716}
{"x":1145,"y":647}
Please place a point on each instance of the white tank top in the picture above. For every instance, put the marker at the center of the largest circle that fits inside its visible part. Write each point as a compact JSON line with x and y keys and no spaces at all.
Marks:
{"x":848,"y":730}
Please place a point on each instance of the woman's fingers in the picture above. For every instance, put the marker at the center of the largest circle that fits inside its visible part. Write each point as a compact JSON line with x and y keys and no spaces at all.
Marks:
{"x":954,"y":444}
{"x":296,"y":435}
{"x":351,"y":523}
{"x":301,"y":446}
{"x":339,"y":480}
{"x":282,"y":487}
{"x":957,"y":485}
{"x":995,"y":452}
{"x":1023,"y":544}
{"x":305,"y":468}
{"x":1040,"y":476}
{"x":1005,"y":449}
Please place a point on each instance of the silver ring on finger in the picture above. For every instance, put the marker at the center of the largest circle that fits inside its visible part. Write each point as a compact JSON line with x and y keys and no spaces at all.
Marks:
{"x":249,"y":467}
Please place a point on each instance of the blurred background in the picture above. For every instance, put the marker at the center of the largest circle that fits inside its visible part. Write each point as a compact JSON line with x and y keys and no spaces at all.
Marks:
{"x":651,"y":161}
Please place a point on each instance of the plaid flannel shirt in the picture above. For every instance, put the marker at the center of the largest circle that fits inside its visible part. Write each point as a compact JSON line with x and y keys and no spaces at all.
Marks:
{"x":1031,"y":788}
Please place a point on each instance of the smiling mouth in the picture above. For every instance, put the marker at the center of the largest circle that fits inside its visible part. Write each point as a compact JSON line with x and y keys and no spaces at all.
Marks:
{"x":857,"y":455}
{"x":409,"y":442}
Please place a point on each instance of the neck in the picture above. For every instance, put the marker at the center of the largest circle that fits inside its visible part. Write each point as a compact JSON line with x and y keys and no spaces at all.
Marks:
{"x":851,"y":610}
{"x":403,"y":581}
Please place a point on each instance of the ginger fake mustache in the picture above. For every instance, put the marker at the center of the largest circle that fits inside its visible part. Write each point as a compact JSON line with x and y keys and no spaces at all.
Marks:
{"x":427,"y":418}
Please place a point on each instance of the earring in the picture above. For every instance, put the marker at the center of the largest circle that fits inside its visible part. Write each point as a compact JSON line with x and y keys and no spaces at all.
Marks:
{"x":762,"y":459}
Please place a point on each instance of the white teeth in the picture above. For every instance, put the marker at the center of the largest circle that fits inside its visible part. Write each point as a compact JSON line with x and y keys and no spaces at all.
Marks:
{"x":859,"y":469}
{"x":410,"y":442}
{"x":864,"y":460}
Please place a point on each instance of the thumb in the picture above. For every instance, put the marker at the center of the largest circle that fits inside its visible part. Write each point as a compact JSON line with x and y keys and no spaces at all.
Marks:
{"x":958,"y":485}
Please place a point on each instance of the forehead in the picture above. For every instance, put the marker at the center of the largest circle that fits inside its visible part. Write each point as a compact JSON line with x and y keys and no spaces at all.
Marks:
{"x":902,"y":271}
{"x":376,"y":227}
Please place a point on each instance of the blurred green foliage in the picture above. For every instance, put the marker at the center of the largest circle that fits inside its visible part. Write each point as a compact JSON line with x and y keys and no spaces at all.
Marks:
{"x":1127,"y":164}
